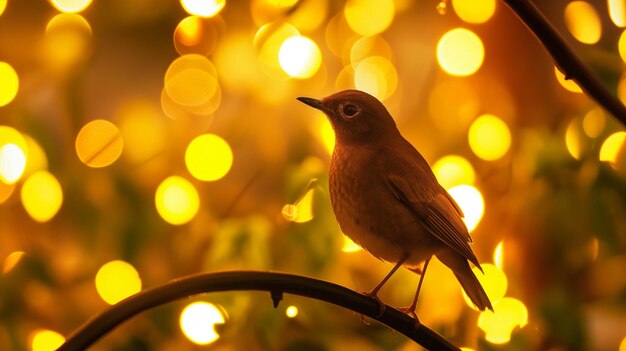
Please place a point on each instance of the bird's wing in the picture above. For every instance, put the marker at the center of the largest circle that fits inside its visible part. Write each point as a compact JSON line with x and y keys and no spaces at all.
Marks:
{"x":438,"y":212}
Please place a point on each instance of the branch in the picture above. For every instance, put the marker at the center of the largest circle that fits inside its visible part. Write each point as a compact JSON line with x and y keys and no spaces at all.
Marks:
{"x":565,"y":58}
{"x":275,"y":283}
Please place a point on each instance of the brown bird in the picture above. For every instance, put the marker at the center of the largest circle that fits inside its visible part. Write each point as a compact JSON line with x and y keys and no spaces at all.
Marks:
{"x":387,"y":199}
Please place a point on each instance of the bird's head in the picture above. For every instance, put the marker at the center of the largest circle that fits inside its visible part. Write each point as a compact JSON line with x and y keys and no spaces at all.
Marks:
{"x":356,"y":116}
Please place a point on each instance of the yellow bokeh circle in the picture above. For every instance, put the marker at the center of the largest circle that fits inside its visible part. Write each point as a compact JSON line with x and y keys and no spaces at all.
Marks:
{"x":117,"y":280}
{"x":12,"y":163}
{"x":493,"y":281}
{"x":489,"y":137}
{"x":197,"y":321}
{"x":377,"y":76}
{"x":42,"y":196}
{"x":369,"y":17}
{"x":177,"y":200}
{"x":498,"y":326}
{"x":460,"y":52}
{"x":45,"y":340}
{"x":203,"y":8}
{"x":471,"y":202}
{"x":99,"y":143}
{"x":299,"y":57}
{"x":70,"y":6}
{"x":583,"y":22}
{"x":10,"y":83}
{"x":568,"y":84}
{"x":208,"y":157}
{"x":453,"y":170}
{"x":474,"y":11}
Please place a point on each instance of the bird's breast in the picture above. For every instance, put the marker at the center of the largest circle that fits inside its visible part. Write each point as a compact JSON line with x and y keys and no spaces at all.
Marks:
{"x":367,"y":210}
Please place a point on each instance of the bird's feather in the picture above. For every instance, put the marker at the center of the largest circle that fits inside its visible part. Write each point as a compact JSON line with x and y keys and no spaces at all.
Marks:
{"x":437,"y":212}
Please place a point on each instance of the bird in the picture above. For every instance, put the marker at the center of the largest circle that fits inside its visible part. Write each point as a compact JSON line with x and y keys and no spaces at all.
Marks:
{"x":387,"y":199}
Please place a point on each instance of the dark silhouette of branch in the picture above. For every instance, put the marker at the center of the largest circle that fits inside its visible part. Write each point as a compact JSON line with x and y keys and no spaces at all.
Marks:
{"x":275,"y":283}
{"x":565,"y":58}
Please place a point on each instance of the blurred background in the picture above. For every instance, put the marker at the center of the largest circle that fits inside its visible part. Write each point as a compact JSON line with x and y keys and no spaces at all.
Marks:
{"x":141,"y":141}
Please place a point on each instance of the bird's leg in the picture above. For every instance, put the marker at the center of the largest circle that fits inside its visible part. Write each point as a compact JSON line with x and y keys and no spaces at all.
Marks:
{"x":411,"y":309}
{"x":374,"y":292}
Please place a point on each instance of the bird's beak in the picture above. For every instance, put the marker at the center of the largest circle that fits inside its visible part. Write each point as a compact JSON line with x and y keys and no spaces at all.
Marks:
{"x":315,"y":103}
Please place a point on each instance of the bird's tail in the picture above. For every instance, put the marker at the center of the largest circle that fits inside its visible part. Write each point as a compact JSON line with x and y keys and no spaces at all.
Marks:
{"x":459,"y":265}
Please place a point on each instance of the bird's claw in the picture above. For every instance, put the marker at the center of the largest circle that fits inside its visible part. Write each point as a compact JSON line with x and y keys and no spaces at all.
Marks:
{"x":381,"y":305}
{"x":410,"y":310}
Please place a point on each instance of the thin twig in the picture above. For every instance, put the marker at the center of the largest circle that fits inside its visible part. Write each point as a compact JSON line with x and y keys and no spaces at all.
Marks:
{"x":275,"y":283}
{"x":565,"y":58}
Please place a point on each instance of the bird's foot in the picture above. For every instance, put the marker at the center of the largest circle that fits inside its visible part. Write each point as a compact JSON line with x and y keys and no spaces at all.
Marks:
{"x":381,"y":305}
{"x":410,"y":310}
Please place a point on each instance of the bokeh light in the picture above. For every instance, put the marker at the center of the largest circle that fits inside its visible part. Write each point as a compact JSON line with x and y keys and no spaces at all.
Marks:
{"x":177,"y":200}
{"x":208,"y":157}
{"x":494,"y":282}
{"x":369,"y":17}
{"x":617,"y":12}
{"x":460,"y":52}
{"x":471,"y":202}
{"x":117,"y":280}
{"x":376,"y":76}
{"x":143,"y":130}
{"x":191,"y":87}
{"x":302,"y":210}
{"x":594,"y":122}
{"x":99,"y":143}
{"x":195,"y":35}
{"x":498,"y":255}
{"x":583,"y":22}
{"x":203,"y":8}
{"x":42,"y":196}
{"x":453,"y":170}
{"x":45,"y":340}
{"x":12,"y":163}
{"x":291,"y":311}
{"x":498,"y":326}
{"x":11,"y":261}
{"x":198,"y":320}
{"x":568,"y":84}
{"x":299,"y":57}
{"x":10,"y":83}
{"x":349,"y":245}
{"x":3,"y":6}
{"x":70,"y":6}
{"x":611,"y":148}
{"x":268,"y":41}
{"x":36,"y":159}
{"x":573,"y":139}
{"x":370,"y":46}
{"x":67,"y":43}
{"x":474,"y":11}
{"x":622,"y":345}
{"x":489,"y":137}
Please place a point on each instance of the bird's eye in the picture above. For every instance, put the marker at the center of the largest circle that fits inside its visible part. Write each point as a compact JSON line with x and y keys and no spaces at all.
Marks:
{"x":349,"y":110}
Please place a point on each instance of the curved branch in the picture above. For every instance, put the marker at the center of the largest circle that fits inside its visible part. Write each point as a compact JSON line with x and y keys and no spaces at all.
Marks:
{"x":275,"y":283}
{"x":565,"y":58}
